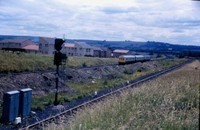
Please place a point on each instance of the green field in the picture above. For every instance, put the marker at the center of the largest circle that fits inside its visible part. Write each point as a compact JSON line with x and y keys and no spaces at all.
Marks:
{"x":13,"y":62}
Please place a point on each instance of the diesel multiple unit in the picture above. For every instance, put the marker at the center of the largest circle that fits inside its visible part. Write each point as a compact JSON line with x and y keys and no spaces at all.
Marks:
{"x":126,"y":59}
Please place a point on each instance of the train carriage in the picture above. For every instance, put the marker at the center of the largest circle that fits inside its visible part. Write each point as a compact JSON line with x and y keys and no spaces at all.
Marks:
{"x":127,"y":59}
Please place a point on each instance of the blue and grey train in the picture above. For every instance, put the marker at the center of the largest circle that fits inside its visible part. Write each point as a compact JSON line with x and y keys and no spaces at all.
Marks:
{"x":127,"y":59}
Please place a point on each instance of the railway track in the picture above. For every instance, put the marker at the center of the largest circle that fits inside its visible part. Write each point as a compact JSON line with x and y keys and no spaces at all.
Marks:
{"x":102,"y":94}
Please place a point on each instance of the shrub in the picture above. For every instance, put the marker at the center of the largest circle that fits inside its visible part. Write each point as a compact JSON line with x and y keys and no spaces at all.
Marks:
{"x":84,"y":65}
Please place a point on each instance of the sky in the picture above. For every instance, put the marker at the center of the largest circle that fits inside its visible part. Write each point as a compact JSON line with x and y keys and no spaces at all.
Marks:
{"x":170,"y":21}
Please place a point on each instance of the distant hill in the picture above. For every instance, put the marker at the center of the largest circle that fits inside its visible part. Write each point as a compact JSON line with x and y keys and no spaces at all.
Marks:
{"x":139,"y":46}
{"x":149,"y":46}
{"x":35,"y":39}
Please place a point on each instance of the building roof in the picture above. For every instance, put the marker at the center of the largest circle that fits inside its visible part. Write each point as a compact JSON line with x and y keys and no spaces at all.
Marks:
{"x":29,"y":42}
{"x":31,"y":47}
{"x":48,"y":40}
{"x":104,"y":48}
{"x":83,"y":45}
{"x":120,"y":51}
{"x":14,"y":40}
{"x":69,"y":45}
{"x":97,"y":48}
{"x":24,"y":42}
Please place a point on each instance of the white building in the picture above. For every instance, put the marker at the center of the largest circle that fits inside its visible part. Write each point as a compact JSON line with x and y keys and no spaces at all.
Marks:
{"x":69,"y":49}
{"x":46,"y":45}
{"x":78,"y":49}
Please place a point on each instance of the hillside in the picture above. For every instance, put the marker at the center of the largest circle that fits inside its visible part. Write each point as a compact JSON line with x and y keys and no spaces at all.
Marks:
{"x":169,"y":102}
{"x":146,"y":46}
{"x":13,"y":62}
{"x":83,"y":80}
{"x":139,"y":46}
{"x":76,"y":83}
{"x":35,"y":39}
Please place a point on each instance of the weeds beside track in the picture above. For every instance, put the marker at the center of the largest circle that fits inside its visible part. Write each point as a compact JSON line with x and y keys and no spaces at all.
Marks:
{"x":105,"y":93}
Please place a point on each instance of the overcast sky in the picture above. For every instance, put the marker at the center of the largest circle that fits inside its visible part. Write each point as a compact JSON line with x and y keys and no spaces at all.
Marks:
{"x":172,"y":21}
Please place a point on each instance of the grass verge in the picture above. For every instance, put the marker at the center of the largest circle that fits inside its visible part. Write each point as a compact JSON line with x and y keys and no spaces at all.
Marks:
{"x":84,"y":89}
{"x":169,"y":102}
{"x":13,"y":62}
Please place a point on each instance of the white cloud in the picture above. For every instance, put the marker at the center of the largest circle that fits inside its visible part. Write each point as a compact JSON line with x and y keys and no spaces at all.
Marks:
{"x":167,"y":20}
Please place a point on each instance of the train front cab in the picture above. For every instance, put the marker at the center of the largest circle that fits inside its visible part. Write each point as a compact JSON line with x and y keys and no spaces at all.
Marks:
{"x":122,"y":60}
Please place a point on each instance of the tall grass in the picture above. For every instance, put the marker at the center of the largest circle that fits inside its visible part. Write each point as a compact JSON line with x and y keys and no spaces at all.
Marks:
{"x":13,"y":62}
{"x":171,"y":62}
{"x":169,"y":102}
{"x":90,"y":61}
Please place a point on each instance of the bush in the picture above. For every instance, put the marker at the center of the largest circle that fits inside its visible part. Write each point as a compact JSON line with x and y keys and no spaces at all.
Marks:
{"x":128,"y":72}
{"x":84,"y":65}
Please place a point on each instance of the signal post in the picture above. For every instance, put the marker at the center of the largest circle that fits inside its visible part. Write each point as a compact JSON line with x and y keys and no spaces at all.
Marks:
{"x":58,"y":59}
